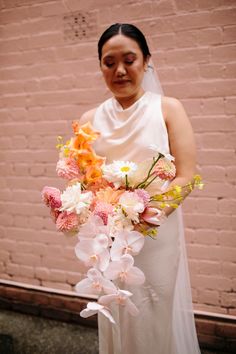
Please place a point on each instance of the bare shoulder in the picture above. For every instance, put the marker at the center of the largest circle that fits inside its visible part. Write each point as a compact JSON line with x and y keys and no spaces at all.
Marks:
{"x":87,"y":116}
{"x":171,"y":107}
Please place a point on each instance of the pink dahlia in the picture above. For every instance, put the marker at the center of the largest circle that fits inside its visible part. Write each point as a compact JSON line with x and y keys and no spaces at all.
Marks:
{"x":103,"y":210}
{"x":67,"y":168}
{"x":67,"y":222}
{"x":165,"y":169}
{"x":54,"y":214}
{"x":51,"y":197}
{"x":144,"y":195}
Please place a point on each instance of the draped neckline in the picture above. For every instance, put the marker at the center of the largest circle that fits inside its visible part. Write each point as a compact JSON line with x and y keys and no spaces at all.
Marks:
{"x":118,"y":107}
{"x":118,"y":115}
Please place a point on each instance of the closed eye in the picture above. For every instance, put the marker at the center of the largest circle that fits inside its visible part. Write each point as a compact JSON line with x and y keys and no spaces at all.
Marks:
{"x":129,"y":62}
{"x":109,"y":65}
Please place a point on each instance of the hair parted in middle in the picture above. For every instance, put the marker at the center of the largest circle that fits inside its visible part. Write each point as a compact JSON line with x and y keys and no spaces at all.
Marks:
{"x":127,"y":30}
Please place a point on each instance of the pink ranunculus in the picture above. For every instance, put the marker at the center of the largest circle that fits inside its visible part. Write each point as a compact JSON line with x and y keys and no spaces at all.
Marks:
{"x":103,"y":210}
{"x":153,"y":216}
{"x":144,"y":195}
{"x":165,"y":169}
{"x":67,"y":222}
{"x":51,"y":197}
{"x":125,"y":271}
{"x":67,"y":168}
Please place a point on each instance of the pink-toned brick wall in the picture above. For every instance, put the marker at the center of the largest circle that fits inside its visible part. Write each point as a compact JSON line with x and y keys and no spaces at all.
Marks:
{"x":49,"y":76}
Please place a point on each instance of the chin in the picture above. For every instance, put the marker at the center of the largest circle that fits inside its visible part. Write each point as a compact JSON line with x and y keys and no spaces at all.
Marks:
{"x":123,"y":92}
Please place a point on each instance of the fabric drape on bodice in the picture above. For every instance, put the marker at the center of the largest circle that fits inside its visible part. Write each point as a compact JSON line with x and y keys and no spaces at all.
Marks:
{"x":128,"y":133}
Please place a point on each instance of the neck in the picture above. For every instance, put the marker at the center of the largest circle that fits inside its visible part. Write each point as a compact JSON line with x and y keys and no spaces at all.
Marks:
{"x":127,"y":101}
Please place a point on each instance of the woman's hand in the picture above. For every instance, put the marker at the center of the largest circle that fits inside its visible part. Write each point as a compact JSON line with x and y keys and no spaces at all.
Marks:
{"x":182,"y":143}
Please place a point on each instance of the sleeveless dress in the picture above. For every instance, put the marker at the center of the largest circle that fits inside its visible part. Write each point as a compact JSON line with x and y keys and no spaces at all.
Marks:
{"x":165,"y":324}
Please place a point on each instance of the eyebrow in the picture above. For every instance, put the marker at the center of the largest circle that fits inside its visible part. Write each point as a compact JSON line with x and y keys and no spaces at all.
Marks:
{"x":109,"y":56}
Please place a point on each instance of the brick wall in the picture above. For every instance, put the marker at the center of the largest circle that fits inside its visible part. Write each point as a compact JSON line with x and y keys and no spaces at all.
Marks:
{"x":49,"y":75}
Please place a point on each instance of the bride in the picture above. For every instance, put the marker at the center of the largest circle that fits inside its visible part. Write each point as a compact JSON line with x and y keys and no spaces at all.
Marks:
{"x":133,"y":121}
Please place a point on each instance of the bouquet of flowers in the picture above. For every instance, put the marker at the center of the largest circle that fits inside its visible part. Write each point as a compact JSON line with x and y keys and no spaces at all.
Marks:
{"x":109,"y":208}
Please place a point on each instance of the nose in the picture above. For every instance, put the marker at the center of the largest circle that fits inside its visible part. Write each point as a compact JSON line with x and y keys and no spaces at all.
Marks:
{"x":120,"y":71}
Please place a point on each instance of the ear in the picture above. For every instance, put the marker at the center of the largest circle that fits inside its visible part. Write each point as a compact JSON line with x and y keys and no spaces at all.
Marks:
{"x":146,"y":62}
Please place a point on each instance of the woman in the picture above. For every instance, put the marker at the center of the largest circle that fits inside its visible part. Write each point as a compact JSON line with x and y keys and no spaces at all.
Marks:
{"x":129,"y":123}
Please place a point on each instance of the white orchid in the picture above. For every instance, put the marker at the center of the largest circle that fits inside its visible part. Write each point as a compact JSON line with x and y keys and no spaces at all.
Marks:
{"x":126,"y":242}
{"x":94,"y":226}
{"x":95,"y":283}
{"x":94,"y":252}
{"x":93,"y":308}
{"x":125,"y":271}
{"x":122,"y":298}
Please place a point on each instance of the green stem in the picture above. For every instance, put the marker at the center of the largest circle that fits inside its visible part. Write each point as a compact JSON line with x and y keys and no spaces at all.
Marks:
{"x":126,"y":182}
{"x":150,"y":182}
{"x":149,"y":172}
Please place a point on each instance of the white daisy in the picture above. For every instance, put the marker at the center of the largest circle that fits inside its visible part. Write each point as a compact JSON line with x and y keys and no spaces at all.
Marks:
{"x":124,"y":168}
{"x":118,"y":171}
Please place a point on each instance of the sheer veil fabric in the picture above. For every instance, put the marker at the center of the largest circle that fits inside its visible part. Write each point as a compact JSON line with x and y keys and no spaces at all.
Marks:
{"x":165,"y":324}
{"x":183,"y":318}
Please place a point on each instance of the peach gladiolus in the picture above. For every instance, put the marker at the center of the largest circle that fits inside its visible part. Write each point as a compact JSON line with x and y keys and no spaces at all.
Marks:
{"x":85,"y":132}
{"x":79,"y":146}
{"x":89,"y":158}
{"x":93,"y":174}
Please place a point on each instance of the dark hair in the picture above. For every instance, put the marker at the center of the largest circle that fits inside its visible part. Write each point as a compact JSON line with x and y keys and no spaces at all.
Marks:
{"x":127,"y":30}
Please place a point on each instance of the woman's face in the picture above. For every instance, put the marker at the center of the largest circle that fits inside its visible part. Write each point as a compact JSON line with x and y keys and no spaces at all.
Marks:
{"x":123,"y":65}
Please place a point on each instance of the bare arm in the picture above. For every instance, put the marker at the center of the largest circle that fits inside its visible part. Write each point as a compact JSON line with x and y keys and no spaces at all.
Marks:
{"x":182,"y":144}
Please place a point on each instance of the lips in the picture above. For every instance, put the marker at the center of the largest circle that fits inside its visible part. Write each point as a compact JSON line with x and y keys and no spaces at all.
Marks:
{"x":121,"y":82}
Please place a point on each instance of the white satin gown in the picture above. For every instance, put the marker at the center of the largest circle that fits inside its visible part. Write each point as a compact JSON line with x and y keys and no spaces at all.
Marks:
{"x":165,"y":324}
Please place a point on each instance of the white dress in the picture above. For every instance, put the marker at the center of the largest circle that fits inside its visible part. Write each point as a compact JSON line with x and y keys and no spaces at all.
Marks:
{"x":165,"y":323}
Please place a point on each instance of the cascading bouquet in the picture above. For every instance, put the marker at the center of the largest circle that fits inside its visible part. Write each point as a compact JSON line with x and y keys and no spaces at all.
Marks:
{"x":109,"y":208}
